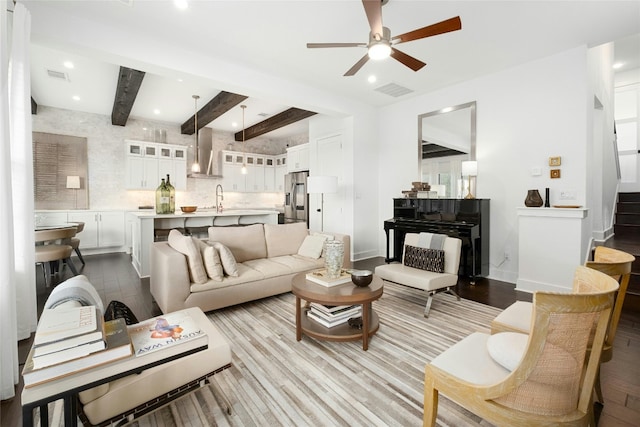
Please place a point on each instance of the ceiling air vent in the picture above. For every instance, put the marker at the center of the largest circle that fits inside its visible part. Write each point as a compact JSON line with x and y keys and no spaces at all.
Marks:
{"x":394,"y":90}
{"x":263,"y":114}
{"x":58,"y":75}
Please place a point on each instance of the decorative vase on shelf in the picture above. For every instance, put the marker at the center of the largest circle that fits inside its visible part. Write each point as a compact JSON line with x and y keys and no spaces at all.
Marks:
{"x":333,"y":258}
{"x":533,"y":200}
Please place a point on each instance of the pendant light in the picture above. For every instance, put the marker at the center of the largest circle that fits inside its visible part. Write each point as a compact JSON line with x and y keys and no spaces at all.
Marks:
{"x":244,"y":162}
{"x":195,"y":168}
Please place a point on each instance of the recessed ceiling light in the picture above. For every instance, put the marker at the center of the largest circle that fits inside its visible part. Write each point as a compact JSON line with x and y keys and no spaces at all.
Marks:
{"x":234,"y":124}
{"x":618,"y":65}
{"x":75,"y":98}
{"x":180,"y":80}
{"x":156,"y":111}
{"x":181,"y":4}
{"x":372,"y":79}
{"x":68,"y":64}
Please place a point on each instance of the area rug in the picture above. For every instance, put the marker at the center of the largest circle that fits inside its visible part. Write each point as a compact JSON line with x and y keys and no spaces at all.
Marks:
{"x":278,"y":381}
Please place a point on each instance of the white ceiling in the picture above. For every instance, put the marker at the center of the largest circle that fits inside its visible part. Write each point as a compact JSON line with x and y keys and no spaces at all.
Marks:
{"x":270,"y":37}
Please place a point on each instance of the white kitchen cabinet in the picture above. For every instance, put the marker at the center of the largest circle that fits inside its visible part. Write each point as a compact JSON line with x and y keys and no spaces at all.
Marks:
{"x":262,"y":172}
{"x":147,"y":163}
{"x":177,"y":167}
{"x":280,"y":172}
{"x":269,"y":174}
{"x":102,"y":229}
{"x":298,"y":158}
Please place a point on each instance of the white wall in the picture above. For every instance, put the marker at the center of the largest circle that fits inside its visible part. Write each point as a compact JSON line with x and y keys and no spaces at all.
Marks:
{"x":602,"y":177}
{"x":524,"y":115}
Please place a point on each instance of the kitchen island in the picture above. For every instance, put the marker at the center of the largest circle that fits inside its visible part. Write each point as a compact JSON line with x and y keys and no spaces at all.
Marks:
{"x":144,"y":225}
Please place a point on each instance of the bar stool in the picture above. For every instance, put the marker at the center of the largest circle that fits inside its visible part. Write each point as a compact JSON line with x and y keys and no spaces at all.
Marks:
{"x":52,"y":246}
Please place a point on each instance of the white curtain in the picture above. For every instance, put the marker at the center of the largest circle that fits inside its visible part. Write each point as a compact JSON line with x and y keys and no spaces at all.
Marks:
{"x":18,"y":307}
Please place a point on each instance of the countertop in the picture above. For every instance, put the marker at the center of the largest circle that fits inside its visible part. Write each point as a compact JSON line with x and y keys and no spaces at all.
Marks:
{"x":205,"y":213}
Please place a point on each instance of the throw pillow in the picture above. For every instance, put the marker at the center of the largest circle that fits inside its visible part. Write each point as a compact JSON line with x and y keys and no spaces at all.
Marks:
{"x":312,"y":246}
{"x":507,"y":348}
{"x":229,"y":264}
{"x":211,"y":260}
{"x":186,"y":246}
{"x":424,"y":258}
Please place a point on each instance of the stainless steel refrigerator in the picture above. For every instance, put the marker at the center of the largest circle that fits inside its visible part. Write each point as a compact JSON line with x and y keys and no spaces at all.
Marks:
{"x":296,"y":199}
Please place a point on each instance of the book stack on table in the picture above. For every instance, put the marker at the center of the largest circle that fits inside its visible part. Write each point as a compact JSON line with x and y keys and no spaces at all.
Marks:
{"x":69,"y":340}
{"x":331,"y":316}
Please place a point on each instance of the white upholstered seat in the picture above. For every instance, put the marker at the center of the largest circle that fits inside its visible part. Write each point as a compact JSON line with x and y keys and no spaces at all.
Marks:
{"x":422,"y":279}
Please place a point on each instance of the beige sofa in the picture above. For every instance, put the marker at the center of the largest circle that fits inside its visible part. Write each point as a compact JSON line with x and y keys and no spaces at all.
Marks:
{"x":267,"y":257}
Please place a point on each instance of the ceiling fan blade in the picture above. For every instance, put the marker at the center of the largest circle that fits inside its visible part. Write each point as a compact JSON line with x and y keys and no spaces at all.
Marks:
{"x":409,"y":61}
{"x":373,"y":9}
{"x":357,"y":66}
{"x":448,"y":25}
{"x":322,"y":45}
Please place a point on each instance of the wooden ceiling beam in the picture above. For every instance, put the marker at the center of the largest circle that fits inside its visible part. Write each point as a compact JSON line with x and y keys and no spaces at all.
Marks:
{"x":34,"y":106}
{"x":285,"y":118}
{"x":129,"y":81}
{"x":220,"y":104}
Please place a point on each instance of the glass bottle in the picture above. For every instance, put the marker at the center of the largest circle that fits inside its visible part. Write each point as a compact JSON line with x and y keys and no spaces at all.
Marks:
{"x":172,"y":196}
{"x":162,"y":198}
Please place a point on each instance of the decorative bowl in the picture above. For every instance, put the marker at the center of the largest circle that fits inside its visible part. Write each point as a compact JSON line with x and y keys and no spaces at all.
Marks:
{"x":361,"y":277}
{"x":188,"y":209}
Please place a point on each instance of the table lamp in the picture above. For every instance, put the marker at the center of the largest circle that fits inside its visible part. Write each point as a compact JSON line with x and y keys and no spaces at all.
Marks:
{"x":469,"y":169}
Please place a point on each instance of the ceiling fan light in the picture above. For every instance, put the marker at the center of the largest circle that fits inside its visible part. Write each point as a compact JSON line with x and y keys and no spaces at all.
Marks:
{"x":379,"y":50}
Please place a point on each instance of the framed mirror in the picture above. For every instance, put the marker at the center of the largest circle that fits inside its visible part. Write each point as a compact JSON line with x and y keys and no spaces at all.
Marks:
{"x":446,"y":138}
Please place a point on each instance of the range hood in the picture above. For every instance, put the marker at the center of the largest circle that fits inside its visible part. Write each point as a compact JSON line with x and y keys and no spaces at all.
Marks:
{"x":207,"y":155}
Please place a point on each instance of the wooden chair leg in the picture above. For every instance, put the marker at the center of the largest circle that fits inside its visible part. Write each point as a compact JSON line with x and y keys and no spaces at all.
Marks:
{"x":430,"y":404}
{"x":598,"y":388}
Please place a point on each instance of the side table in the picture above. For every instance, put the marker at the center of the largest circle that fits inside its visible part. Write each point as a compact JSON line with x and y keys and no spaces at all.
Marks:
{"x":345,"y":294}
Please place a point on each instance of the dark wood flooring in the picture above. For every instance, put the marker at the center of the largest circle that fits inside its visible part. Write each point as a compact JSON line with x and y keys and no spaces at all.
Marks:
{"x":115,"y":279}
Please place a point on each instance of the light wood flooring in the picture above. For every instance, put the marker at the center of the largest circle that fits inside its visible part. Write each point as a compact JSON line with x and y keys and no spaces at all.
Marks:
{"x":115,"y":279}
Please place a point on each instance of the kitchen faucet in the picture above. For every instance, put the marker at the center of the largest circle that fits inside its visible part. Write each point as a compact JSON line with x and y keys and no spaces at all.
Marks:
{"x":221,"y":195}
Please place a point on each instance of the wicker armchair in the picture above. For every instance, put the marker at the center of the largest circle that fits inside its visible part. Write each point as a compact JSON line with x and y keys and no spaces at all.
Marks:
{"x":547,"y":379}
{"x":615,"y":263}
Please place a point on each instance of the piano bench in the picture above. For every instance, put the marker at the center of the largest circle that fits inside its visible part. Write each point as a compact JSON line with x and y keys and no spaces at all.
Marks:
{"x":429,"y":281}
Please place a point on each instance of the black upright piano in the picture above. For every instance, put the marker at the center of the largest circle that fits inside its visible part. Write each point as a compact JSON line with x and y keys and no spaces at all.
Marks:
{"x":466,"y":219}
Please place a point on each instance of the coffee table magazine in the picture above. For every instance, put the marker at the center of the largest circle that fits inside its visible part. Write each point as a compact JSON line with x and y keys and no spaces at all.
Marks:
{"x":171,"y":329}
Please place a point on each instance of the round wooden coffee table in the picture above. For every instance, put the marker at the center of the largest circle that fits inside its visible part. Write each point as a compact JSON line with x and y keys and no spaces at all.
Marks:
{"x":345,"y":294}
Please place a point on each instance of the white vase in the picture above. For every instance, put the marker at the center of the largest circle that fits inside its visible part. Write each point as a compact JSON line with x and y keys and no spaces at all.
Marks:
{"x":333,"y":258}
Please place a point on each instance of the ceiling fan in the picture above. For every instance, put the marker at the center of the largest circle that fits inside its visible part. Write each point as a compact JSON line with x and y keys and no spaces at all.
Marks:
{"x":381,"y":43}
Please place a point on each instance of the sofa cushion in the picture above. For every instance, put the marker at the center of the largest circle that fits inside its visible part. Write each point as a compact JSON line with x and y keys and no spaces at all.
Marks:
{"x":245,"y":242}
{"x":186,"y":246}
{"x":245,"y":275}
{"x":424,"y":258}
{"x":211,"y":261}
{"x":284,"y":239}
{"x":268,"y":267}
{"x":312,"y":246}
{"x":297,"y":263}
{"x":229,"y":264}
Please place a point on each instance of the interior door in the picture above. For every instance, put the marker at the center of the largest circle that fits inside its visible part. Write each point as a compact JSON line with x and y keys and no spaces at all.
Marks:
{"x":330,"y":163}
